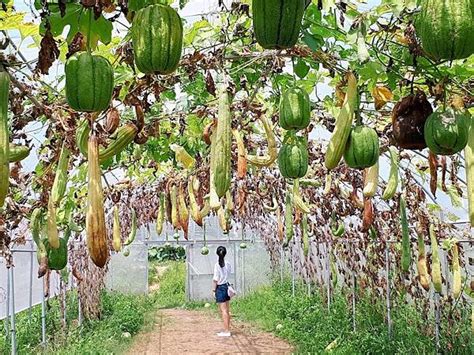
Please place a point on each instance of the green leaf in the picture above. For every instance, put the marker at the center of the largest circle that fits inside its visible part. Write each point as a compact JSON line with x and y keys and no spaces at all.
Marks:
{"x":454,"y":196}
{"x":194,"y":31}
{"x":81,"y":21}
{"x":314,"y":42}
{"x":301,"y":68}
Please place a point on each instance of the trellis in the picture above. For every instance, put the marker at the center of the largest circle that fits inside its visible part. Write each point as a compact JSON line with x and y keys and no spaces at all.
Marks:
{"x":276,"y":60}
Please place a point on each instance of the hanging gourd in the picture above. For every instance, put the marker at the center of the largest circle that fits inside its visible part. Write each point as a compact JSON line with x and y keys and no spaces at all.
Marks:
{"x":340,"y":135}
{"x":277,"y":23}
{"x":445,"y":28}
{"x":295,"y":109}
{"x":293,"y":156}
{"x":57,"y":258}
{"x":222,"y":142}
{"x":157,"y":38}
{"x":362,"y":148}
{"x":469,"y":159}
{"x":89,"y":82}
{"x":446,"y":132}
{"x":408,"y":121}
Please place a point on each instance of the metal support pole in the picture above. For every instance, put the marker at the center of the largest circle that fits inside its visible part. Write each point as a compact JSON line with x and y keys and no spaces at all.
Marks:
{"x":235,"y":269}
{"x":64,"y":296}
{"x":30,"y":299}
{"x":43,"y":317}
{"x":7,"y":318}
{"x":353,"y":301}
{"x":242,"y":267}
{"x":437,"y":320}
{"x":293,"y":279}
{"x":189,"y":271}
{"x":328,"y":277}
{"x":12,"y":311}
{"x":147,"y":270}
{"x":282,"y":262}
{"x":387,"y":270}
{"x":79,"y":309}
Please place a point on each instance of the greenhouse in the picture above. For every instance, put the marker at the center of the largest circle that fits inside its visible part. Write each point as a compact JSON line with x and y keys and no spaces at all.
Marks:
{"x":236,"y":176}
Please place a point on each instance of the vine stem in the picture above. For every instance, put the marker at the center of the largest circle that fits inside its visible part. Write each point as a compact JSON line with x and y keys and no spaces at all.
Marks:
{"x":27,"y":93}
{"x":89,"y":32}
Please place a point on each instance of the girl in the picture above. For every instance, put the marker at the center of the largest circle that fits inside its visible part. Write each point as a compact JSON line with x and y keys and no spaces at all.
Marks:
{"x":220,"y":286}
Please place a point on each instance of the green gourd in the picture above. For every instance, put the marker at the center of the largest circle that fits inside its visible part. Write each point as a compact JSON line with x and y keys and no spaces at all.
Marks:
{"x":446,"y":132}
{"x":4,"y":135}
{"x":435,"y":263}
{"x":222,"y":145}
{"x":18,"y":153}
{"x":157,"y":38}
{"x":277,"y":23}
{"x":342,"y":130}
{"x":406,"y":251}
{"x":362,"y":148}
{"x":89,"y":82}
{"x":445,"y":28}
{"x":295,"y":109}
{"x":293,"y":156}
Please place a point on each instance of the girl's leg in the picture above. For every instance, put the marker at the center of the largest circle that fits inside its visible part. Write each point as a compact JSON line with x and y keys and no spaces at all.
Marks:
{"x":226,"y":316}
{"x":222,"y":308}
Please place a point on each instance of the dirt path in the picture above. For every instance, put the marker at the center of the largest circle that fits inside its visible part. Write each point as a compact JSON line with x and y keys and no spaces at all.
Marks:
{"x":179,"y":331}
{"x":160,"y":270}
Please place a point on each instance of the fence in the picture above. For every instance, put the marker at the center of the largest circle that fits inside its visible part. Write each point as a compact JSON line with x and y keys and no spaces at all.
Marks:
{"x":321,"y":275}
{"x":23,"y":281}
{"x":19,"y":293}
{"x":20,"y":289}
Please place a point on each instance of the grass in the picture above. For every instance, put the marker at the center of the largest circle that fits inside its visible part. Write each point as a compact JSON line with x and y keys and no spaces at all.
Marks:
{"x":302,"y":320}
{"x":122,"y":317}
{"x":172,"y":292}
{"x":306,"y":322}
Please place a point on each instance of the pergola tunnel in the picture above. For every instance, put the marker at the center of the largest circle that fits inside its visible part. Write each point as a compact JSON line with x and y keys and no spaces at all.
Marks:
{"x":304,"y":168}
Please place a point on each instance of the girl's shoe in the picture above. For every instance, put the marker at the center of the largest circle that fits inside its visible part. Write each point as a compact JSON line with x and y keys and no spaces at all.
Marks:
{"x":223,"y":334}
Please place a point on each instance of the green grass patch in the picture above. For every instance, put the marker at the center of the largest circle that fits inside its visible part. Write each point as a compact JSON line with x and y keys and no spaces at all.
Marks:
{"x":306,"y":322}
{"x":172,"y":291}
{"x":122,"y":317}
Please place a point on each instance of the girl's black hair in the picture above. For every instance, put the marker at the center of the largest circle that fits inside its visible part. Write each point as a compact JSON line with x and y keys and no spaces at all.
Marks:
{"x":221,"y":252}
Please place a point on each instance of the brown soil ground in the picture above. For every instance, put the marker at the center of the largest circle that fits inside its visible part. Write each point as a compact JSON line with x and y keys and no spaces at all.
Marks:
{"x":178,"y":331}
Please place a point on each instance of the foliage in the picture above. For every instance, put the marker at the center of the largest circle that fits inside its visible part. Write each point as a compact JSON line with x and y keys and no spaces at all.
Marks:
{"x":166,"y":252}
{"x":307,"y":323}
{"x":172,"y":286}
{"x":119,"y":314}
{"x":372,"y":57}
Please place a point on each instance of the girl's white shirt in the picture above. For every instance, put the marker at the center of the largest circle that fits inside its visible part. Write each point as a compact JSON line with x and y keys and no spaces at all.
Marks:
{"x":221,"y":274}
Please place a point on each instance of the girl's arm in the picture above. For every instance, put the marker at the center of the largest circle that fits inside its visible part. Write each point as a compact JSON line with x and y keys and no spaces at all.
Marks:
{"x":215,"y":278}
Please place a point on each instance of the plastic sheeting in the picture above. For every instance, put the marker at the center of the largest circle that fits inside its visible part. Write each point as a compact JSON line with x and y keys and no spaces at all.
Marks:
{"x":129,"y":274}
{"x":250,"y":268}
{"x":27,"y":286}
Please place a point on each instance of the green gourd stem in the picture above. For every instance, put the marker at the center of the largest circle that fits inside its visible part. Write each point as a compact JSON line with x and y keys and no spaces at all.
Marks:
{"x":89,"y":32}
{"x":406,"y":252}
{"x":293,"y":67}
